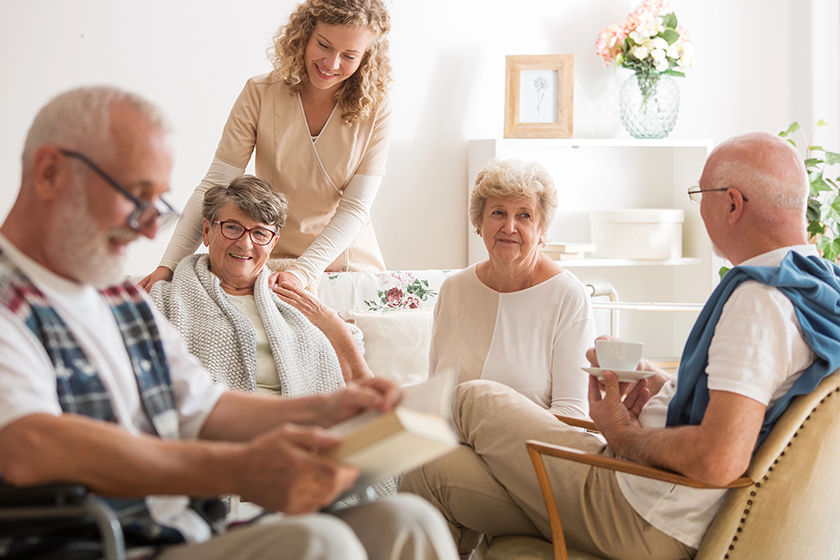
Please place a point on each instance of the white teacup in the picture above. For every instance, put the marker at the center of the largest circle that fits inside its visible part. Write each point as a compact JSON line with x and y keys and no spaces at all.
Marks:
{"x":618,"y":355}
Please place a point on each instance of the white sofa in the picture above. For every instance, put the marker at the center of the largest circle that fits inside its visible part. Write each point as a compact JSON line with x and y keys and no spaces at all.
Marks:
{"x":394,"y":311}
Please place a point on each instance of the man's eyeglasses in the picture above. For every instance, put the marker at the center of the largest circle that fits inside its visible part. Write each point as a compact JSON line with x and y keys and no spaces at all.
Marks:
{"x":235,"y":230}
{"x":145,"y":213}
{"x":695,"y":194}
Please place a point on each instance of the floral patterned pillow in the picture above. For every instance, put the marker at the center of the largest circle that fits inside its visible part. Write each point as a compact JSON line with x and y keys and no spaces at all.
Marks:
{"x":381,"y":291}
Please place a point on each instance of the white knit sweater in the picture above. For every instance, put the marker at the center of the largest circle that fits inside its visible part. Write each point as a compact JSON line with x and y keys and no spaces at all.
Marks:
{"x":224,"y":340}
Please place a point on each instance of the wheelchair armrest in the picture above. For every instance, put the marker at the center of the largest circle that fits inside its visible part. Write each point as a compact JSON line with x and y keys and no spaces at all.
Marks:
{"x":42,"y":495}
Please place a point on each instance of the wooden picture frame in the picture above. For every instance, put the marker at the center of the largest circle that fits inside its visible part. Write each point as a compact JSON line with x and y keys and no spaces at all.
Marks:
{"x":539,"y":96}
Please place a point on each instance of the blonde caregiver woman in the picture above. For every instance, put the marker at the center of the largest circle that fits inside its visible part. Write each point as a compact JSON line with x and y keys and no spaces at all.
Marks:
{"x":320,"y":124}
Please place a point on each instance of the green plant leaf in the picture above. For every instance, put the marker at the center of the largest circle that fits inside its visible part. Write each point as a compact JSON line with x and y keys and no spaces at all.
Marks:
{"x":813,"y":211}
{"x":817,"y":183}
{"x":815,"y":228}
{"x":670,"y":21}
{"x":790,"y":130}
{"x":670,"y":36}
{"x":830,"y":247}
{"x":821,"y":243}
{"x":831,"y":211}
{"x":723,"y":270}
{"x":674,"y":73}
{"x":823,"y":212}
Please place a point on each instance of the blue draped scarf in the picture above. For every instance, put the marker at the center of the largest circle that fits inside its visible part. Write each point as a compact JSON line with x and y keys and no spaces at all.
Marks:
{"x":811,"y":283}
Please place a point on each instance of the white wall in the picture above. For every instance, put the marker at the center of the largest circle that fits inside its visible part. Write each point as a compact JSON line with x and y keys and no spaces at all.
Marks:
{"x":756,"y":63}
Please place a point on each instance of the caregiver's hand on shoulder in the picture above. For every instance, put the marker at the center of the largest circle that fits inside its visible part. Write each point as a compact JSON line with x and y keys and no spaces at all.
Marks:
{"x":160,"y":273}
{"x":277,"y":279}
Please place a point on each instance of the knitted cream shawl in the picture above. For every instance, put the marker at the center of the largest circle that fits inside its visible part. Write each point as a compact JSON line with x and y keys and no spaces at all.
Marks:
{"x":224,"y":339}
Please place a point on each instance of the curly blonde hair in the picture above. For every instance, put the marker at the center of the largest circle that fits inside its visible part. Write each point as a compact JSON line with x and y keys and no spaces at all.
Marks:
{"x":364,"y":91}
{"x":513,"y":178}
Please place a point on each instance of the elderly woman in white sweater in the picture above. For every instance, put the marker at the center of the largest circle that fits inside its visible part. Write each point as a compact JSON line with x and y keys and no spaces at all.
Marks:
{"x":518,"y":317}
{"x":247,"y":337}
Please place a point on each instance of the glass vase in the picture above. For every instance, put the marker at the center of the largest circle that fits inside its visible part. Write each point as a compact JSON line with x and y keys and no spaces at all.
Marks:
{"x":649,"y":105}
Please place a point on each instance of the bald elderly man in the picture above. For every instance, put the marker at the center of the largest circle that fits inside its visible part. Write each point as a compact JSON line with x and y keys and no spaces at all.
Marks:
{"x":768,"y":333}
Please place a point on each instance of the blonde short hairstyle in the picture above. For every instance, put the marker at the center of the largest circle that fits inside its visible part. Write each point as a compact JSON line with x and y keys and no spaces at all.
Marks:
{"x":363,"y":92}
{"x":513,"y":178}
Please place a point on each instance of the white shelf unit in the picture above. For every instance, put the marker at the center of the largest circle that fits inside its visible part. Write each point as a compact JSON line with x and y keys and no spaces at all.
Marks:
{"x":592,"y":263}
{"x":597,"y":174}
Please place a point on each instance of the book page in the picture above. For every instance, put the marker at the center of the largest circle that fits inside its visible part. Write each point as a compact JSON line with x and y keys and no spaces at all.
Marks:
{"x":434,"y":396}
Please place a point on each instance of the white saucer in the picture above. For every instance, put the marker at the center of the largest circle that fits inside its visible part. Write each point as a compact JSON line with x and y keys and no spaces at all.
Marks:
{"x":622,"y":374}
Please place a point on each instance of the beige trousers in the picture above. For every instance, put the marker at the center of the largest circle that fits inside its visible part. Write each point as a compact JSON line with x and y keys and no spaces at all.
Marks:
{"x":402,"y":527}
{"x":488,"y":485}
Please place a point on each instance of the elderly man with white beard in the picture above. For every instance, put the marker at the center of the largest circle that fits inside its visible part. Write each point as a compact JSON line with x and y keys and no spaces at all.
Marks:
{"x":97,"y":389}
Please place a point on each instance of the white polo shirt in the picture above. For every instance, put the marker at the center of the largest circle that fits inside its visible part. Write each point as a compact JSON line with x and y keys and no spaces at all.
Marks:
{"x":757,"y":351}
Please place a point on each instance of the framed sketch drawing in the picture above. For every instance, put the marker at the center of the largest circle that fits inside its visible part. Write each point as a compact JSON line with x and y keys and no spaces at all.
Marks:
{"x":539,"y":96}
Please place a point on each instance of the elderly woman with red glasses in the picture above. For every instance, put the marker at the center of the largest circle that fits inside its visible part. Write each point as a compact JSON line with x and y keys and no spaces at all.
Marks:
{"x":249,"y":338}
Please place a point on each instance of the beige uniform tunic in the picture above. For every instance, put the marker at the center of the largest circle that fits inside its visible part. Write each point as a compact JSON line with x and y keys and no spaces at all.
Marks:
{"x":310,"y":174}
{"x":266,"y":120}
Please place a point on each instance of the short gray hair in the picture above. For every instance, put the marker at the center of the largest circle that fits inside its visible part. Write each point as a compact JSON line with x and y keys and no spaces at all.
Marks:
{"x":254,"y":196}
{"x":513,"y":178}
{"x":79,"y":119}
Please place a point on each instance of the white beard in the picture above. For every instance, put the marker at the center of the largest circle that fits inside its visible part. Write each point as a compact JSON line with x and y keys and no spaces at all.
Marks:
{"x":83,"y":251}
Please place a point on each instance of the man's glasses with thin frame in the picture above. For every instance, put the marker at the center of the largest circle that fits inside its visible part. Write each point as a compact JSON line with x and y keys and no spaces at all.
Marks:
{"x":234,"y":230}
{"x":145,"y":213}
{"x":695,"y":194}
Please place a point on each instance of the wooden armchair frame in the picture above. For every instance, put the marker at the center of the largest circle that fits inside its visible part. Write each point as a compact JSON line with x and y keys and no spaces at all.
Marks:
{"x":537,"y":450}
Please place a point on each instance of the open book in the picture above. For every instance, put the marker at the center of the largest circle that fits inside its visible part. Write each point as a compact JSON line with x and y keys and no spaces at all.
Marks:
{"x":417,"y":431}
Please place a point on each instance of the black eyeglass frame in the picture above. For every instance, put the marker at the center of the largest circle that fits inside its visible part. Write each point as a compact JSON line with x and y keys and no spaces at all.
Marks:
{"x":244,"y":231}
{"x":697,"y":190}
{"x":164,"y":216}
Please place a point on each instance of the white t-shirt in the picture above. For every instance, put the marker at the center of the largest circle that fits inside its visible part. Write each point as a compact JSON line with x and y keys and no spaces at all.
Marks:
{"x":757,"y":351}
{"x":268,"y":381}
{"x":28,"y":378}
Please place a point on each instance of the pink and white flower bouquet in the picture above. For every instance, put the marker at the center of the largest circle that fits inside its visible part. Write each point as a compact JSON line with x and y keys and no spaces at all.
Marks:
{"x":650,"y":42}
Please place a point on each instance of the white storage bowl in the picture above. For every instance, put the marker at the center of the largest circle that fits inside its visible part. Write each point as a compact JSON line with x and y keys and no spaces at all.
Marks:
{"x":642,"y":233}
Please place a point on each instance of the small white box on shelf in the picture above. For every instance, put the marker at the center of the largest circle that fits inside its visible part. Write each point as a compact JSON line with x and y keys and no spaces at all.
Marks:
{"x":639,"y":233}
